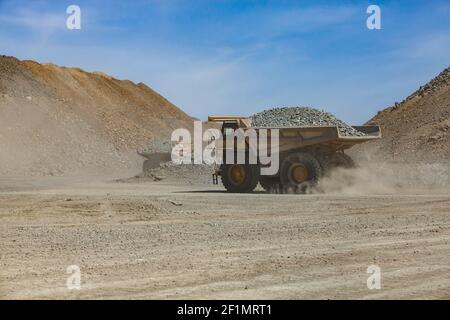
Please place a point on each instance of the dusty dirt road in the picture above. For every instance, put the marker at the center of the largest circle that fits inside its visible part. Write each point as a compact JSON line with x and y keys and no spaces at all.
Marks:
{"x":140,"y":240}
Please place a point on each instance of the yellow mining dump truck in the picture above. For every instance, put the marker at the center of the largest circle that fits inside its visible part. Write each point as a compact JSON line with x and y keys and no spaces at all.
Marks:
{"x":305,"y":154}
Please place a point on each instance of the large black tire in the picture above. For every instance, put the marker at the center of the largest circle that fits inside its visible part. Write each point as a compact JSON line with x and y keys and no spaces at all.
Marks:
{"x":340,"y":160}
{"x":270,"y":184}
{"x":240,"y":178}
{"x":323,"y":164}
{"x":300,"y":171}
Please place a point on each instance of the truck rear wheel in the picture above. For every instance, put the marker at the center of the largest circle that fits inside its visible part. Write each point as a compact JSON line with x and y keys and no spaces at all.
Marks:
{"x":341,"y":160}
{"x":299,"y":171}
{"x":240,"y":178}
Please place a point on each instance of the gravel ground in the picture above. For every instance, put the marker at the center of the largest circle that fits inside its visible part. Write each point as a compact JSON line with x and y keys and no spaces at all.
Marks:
{"x":168,"y":241}
{"x":301,"y":117}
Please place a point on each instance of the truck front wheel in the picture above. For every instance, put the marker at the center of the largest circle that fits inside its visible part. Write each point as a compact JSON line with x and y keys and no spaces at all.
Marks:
{"x":240,"y":178}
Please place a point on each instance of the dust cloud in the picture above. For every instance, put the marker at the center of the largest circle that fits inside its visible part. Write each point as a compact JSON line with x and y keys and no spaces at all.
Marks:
{"x":386,"y":178}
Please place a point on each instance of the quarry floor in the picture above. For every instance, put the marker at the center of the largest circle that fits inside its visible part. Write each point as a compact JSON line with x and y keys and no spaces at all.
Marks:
{"x":163,"y":240}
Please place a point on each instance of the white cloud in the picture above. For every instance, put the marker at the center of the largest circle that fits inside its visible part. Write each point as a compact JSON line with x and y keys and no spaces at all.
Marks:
{"x":427,"y":46}
{"x":267,"y":23}
{"x":35,"y":20}
{"x":303,"y":19}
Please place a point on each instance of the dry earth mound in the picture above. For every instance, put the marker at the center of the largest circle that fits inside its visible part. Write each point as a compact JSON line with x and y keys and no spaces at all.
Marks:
{"x":418,"y":128}
{"x":56,"y":120}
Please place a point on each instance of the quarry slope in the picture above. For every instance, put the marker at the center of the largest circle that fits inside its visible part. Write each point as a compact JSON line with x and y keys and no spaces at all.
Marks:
{"x":418,"y":128}
{"x":59,"y":121}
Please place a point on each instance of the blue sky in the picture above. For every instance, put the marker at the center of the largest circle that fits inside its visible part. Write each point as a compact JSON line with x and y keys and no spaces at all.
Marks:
{"x":239,"y":57}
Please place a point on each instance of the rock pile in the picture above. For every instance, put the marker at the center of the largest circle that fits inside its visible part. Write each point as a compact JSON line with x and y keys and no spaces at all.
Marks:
{"x":441,"y":81}
{"x":179,"y":173}
{"x":301,"y":117}
{"x":157,"y":146}
{"x":417,"y":129}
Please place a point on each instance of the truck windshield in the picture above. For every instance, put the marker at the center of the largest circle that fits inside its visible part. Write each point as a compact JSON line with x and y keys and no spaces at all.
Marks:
{"x":228,"y":131}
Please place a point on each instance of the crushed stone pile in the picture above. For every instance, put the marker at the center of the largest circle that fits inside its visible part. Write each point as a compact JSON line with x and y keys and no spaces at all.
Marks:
{"x":171,"y":172}
{"x":418,"y":128}
{"x":162,"y":146}
{"x":440,"y":81}
{"x":301,"y":117}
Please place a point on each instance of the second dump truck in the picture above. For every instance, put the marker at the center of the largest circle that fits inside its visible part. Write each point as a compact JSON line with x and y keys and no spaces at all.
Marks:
{"x":305,"y":155}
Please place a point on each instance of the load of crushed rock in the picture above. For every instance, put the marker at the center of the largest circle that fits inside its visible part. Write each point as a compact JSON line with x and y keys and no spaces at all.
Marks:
{"x":301,"y":117}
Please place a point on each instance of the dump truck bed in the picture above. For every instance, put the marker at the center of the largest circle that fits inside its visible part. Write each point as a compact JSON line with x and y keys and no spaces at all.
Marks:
{"x":299,"y":137}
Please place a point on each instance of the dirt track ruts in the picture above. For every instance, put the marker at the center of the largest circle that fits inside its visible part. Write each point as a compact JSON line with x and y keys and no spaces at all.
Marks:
{"x":157,"y":240}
